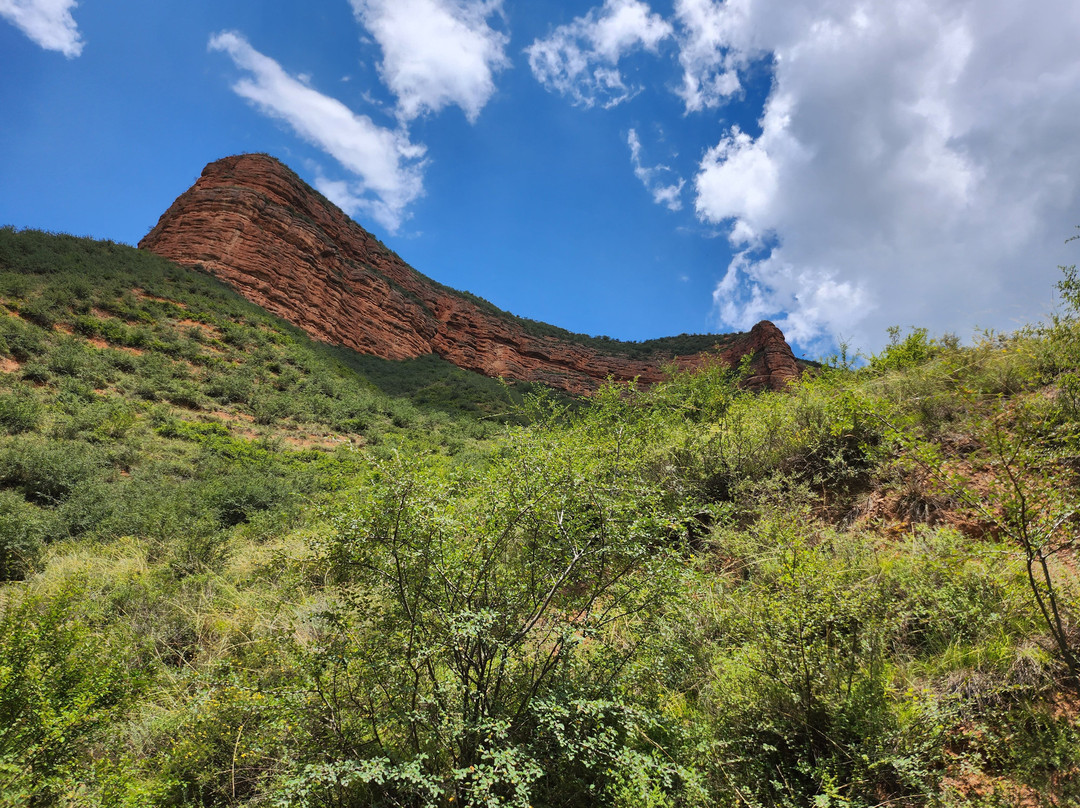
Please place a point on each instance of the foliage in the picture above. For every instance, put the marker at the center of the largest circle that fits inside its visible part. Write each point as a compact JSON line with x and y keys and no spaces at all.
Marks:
{"x":804,"y":690}
{"x":20,"y":411}
{"x":241,"y":568}
{"x":60,"y":684}
{"x":23,"y":532}
{"x":479,"y":624}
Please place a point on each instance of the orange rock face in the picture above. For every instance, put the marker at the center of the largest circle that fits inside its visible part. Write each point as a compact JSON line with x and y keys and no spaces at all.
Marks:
{"x":250,"y":221}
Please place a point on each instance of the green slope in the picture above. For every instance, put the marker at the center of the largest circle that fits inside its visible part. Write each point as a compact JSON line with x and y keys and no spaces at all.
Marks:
{"x":241,"y":570}
{"x":206,"y":349}
{"x":135,"y":392}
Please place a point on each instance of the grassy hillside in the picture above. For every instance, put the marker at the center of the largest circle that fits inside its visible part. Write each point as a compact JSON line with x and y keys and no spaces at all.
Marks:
{"x":136,"y":393}
{"x":240,"y":573}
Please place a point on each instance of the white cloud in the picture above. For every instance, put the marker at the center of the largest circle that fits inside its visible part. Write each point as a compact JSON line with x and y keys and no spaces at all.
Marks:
{"x":653,"y":178}
{"x":387,"y":167}
{"x":754,"y":290}
{"x":436,"y":52}
{"x":916,"y":160}
{"x":47,"y":22}
{"x":737,"y":180}
{"x":710,"y":50}
{"x":580,"y":59}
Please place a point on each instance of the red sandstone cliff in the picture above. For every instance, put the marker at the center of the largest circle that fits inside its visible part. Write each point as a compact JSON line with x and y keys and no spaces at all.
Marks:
{"x":254,"y":224}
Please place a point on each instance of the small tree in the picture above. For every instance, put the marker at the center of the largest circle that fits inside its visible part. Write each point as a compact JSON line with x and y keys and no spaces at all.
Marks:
{"x":485,"y":621}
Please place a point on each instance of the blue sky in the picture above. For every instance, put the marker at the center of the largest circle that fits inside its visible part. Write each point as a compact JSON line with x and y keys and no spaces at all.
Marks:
{"x":618,"y":167}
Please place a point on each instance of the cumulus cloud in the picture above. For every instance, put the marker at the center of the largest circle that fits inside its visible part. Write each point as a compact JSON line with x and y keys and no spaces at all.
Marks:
{"x":580,"y":60}
{"x":436,"y":52}
{"x":713,"y":46}
{"x":916,"y":160}
{"x":737,"y":180}
{"x":387,"y":168}
{"x":47,"y":22}
{"x":656,"y":179}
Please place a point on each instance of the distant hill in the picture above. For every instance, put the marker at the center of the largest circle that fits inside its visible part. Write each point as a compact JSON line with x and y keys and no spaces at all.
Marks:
{"x":252,"y":222}
{"x":85,"y":315}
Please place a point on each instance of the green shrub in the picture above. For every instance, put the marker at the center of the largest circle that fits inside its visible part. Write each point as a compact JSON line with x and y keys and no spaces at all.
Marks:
{"x":909,"y":352}
{"x":236,"y":495}
{"x":87,"y":325}
{"x":97,"y":421}
{"x":41,"y":312}
{"x":61,"y":682}
{"x":184,"y":394}
{"x":230,"y":386}
{"x":122,"y":361}
{"x":269,"y":408}
{"x":86,"y":509}
{"x":24,"y":530}
{"x":71,"y":357}
{"x":20,"y":411}
{"x":48,"y":472}
{"x":20,"y":340}
{"x":800,"y":694}
{"x":36,"y":372}
{"x":954,"y":599}
{"x":13,"y":284}
{"x":547,"y":564}
{"x":226,"y":745}
{"x":200,"y":547}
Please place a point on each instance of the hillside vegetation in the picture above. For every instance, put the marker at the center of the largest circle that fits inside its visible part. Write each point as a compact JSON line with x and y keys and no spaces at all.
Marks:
{"x":246,"y":569}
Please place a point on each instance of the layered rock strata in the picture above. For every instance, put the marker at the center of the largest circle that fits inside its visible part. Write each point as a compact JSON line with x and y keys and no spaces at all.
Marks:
{"x":250,"y":221}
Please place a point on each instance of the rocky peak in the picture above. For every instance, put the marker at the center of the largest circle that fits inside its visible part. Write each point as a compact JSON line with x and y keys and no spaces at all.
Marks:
{"x":250,"y":221}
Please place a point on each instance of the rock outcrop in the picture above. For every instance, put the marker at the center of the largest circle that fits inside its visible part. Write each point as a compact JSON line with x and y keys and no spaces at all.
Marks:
{"x":250,"y":221}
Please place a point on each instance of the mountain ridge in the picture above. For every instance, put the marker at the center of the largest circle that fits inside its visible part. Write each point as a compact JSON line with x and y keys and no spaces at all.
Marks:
{"x":253,"y":223}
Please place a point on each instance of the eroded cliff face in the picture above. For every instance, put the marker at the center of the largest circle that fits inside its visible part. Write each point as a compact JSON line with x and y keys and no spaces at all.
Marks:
{"x":254,"y":224}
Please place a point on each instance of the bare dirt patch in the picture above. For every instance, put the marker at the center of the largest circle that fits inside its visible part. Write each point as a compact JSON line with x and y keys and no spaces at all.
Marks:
{"x":226,"y":415}
{"x":210,"y":331}
{"x":141,"y":294}
{"x":304,"y":440}
{"x":242,"y":425}
{"x":957,"y":496}
{"x":979,"y":786}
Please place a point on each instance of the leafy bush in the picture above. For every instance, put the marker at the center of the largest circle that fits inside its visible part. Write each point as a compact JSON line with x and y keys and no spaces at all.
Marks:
{"x":803,"y":688}
{"x":466,"y":670}
{"x":60,"y":683}
{"x":227,"y":745}
{"x":20,"y":411}
{"x":48,"y":472}
{"x":230,"y":386}
{"x":20,"y":340}
{"x":909,"y":352}
{"x":41,"y":312}
{"x":237,"y":495}
{"x":97,"y":421}
{"x":36,"y":372}
{"x":24,"y":530}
